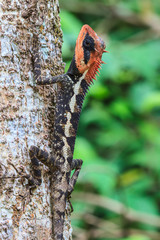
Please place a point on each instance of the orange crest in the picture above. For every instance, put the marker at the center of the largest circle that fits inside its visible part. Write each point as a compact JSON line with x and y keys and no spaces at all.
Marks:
{"x":95,"y":55}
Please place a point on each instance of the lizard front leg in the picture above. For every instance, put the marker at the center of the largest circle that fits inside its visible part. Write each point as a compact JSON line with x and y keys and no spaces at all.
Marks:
{"x":37,"y":67}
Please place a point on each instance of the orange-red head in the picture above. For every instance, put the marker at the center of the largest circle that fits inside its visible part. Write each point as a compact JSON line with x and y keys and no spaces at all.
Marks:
{"x":88,"y":52}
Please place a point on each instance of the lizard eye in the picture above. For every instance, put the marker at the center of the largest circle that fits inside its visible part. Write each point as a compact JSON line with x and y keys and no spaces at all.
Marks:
{"x":87,"y":43}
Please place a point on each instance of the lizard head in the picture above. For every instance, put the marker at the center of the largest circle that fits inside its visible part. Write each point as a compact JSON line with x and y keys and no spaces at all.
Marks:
{"x":88,"y":53}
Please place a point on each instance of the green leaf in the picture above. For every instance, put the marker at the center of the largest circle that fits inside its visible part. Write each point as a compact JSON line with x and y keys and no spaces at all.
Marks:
{"x":137,"y":237}
{"x":99,"y":91}
{"x":115,"y":135}
{"x":152,"y":102}
{"x":148,"y":157}
{"x":138,"y":95}
{"x":70,"y":32}
{"x":84,"y":150}
{"x":97,"y":114}
{"x":67,"y":20}
{"x":140,"y":203}
{"x":101,"y":174}
{"x":121,"y":109}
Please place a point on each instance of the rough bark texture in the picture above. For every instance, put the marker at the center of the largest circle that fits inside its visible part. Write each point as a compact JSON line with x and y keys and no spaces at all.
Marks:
{"x":24,"y":114}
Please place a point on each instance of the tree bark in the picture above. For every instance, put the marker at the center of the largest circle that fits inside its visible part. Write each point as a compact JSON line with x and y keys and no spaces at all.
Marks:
{"x":26,"y":115}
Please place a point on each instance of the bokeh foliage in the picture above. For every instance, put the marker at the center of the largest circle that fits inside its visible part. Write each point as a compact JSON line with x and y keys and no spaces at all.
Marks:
{"x":119,"y":130}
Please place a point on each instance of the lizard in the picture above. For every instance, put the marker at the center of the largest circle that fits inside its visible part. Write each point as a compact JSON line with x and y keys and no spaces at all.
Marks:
{"x":72,"y":88}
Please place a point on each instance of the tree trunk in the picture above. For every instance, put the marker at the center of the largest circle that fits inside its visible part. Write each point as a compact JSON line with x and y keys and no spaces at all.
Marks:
{"x":26,"y":115}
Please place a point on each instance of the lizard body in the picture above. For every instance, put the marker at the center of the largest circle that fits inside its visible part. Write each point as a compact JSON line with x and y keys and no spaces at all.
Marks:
{"x":72,"y":88}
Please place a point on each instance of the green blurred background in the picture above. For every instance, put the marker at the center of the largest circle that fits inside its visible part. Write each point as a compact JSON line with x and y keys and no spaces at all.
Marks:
{"x":117,"y":195}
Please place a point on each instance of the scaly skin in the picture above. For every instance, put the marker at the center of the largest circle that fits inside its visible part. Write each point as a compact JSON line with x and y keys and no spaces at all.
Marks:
{"x":72,"y":88}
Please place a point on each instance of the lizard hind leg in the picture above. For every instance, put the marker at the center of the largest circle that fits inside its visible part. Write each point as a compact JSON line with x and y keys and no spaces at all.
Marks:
{"x":76,"y":165}
{"x":35,"y":166}
{"x":38,"y":155}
